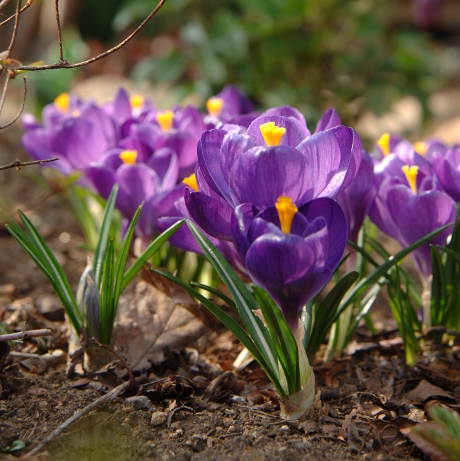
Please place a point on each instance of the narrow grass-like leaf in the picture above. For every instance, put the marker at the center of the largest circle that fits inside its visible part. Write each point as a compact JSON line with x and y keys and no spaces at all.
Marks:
{"x":101,"y":248}
{"x":366,"y":282}
{"x":51,"y":264}
{"x":120,"y":265}
{"x":217,"y":293}
{"x":233,"y":326}
{"x":306,"y":318}
{"x":148,"y":253}
{"x":243,"y":299}
{"x":326,"y":312}
{"x":283,"y":339}
{"x":106,"y":325}
{"x":438,"y":288}
{"x":450,"y":252}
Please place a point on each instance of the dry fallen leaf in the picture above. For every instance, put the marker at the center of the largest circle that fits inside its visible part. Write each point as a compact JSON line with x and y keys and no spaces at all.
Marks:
{"x":427,"y":391}
{"x":148,"y":322}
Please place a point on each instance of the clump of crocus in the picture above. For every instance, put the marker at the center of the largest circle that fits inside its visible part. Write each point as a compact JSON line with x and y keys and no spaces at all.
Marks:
{"x":409,"y":205}
{"x":77,"y":132}
{"x":95,"y":305}
{"x":269,"y":190}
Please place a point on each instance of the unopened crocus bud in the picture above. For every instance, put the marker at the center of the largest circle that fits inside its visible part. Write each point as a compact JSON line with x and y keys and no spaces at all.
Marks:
{"x":92,"y":307}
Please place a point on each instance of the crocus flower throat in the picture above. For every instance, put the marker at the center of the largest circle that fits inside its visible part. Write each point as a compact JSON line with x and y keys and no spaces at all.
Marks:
{"x":136,"y":101}
{"x":384,"y":143}
{"x":129,"y":157}
{"x":411,"y":175}
{"x":165,"y":119}
{"x":62,"y":102}
{"x":286,"y":211}
{"x":421,"y":148}
{"x":272,"y":134}
{"x":215,"y":106}
{"x":190,"y":181}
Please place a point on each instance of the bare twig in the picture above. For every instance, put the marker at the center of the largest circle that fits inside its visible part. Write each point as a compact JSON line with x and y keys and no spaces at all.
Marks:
{"x":77,"y":415}
{"x":67,"y":65}
{"x":22,"y":107}
{"x":123,"y":361}
{"x":5,"y":87}
{"x":24,"y":335}
{"x":58,"y":22}
{"x":176,"y":410}
{"x":18,"y":164}
{"x":15,"y":30}
{"x":27,"y":5}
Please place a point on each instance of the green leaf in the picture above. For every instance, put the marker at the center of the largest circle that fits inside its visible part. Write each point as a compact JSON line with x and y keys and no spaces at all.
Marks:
{"x":283,"y":339}
{"x":17,"y":445}
{"x":244,"y":301}
{"x":383,"y":269}
{"x":233,"y":326}
{"x":326,"y":312}
{"x":217,"y":293}
{"x":148,"y":253}
{"x":306,"y":318}
{"x":61,"y":284}
{"x":106,"y":322}
{"x":120,"y":267}
{"x":438,"y":288}
{"x":451,"y":253}
{"x":101,"y":248}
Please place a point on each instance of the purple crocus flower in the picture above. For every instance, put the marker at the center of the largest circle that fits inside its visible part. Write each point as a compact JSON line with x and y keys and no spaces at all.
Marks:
{"x":275,"y":157}
{"x":78,"y":133}
{"x":427,"y":13}
{"x":291,"y":253}
{"x":408,"y":209}
{"x":447,"y":169}
{"x":153,"y":183}
{"x":230,"y":106}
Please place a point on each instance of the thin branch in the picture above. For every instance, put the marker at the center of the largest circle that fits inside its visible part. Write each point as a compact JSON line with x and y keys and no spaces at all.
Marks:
{"x":18,"y":164}
{"x":58,"y":22}
{"x":24,"y":8}
{"x":15,"y":30}
{"x":24,"y":335}
{"x":114,"y":393}
{"x":5,"y":86}
{"x":22,"y":107}
{"x":67,"y":65}
{"x":123,"y":361}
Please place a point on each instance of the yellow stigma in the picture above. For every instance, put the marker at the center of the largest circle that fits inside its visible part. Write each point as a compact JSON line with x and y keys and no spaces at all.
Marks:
{"x":420,"y":147}
{"x":215,"y":106}
{"x":384,"y":143}
{"x":411,"y":175}
{"x":75,"y":113}
{"x":286,"y":211}
{"x":129,"y":157}
{"x":272,"y":133}
{"x":136,"y":101}
{"x":165,"y":119}
{"x":190,"y":181}
{"x":62,"y":102}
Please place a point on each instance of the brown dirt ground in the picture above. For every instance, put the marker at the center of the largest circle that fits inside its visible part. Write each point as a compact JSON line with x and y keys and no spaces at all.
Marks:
{"x":362,"y":403}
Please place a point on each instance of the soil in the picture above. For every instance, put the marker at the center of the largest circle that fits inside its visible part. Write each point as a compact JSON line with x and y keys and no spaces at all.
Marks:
{"x":198,"y":409}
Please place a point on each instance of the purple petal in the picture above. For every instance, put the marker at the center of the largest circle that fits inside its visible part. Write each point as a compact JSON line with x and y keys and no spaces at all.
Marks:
{"x":235,"y":101}
{"x":263,"y":174}
{"x":284,"y":266}
{"x":209,"y":160}
{"x":295,"y":115}
{"x":337,"y":226}
{"x":293,"y":136}
{"x":328,"y":154}
{"x":242,"y":218}
{"x":164,"y":162}
{"x":330,"y":119}
{"x":448,"y":175}
{"x":182,"y":238}
{"x":212,"y":215}
{"x":355,"y":161}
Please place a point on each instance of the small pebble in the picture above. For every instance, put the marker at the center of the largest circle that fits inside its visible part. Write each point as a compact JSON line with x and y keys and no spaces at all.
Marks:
{"x":139,"y":402}
{"x":179,"y":432}
{"x":285,"y":428}
{"x":231,"y":429}
{"x":158,"y":418}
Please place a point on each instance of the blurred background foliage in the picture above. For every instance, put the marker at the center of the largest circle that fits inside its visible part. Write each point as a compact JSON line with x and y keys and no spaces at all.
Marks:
{"x":312,"y":54}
